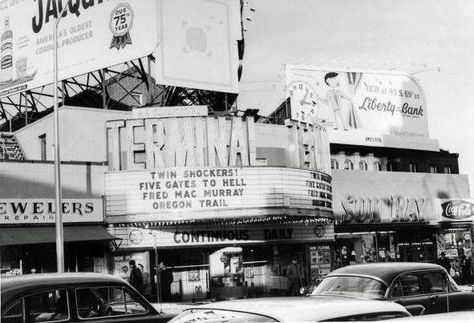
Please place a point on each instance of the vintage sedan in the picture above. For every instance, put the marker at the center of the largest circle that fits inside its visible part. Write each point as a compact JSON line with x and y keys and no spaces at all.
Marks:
{"x":422,"y":288}
{"x":293,"y":309}
{"x":73,"y":297}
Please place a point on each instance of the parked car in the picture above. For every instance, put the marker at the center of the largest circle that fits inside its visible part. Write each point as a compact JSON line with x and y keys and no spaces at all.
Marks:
{"x":73,"y":297}
{"x":292,"y":309}
{"x":422,"y":288}
{"x":460,"y":316}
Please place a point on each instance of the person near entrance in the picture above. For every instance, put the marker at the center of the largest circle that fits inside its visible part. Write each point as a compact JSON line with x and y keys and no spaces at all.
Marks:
{"x":136,"y":278}
{"x":444,"y":262}
{"x":465,"y":264}
{"x":293,"y":275}
{"x":146,"y":282}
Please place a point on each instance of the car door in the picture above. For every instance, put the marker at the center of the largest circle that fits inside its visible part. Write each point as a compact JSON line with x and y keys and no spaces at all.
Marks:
{"x":427,"y":289}
{"x":459,"y":300}
{"x":112,"y":304}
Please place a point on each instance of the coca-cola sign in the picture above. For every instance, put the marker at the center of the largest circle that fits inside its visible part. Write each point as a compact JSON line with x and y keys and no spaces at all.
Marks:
{"x":457,"y":209}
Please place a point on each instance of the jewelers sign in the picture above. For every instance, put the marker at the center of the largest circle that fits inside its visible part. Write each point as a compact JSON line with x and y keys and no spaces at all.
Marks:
{"x":200,"y":193}
{"x":92,"y":34}
{"x":42,"y":211}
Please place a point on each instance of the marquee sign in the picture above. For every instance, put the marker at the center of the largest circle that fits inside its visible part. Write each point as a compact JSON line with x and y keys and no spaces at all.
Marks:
{"x":91,"y":35}
{"x":206,"y":235}
{"x":163,"y":142}
{"x":42,"y":211}
{"x":198,"y":192}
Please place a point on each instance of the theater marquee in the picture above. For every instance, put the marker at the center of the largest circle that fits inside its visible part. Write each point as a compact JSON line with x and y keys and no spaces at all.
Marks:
{"x":198,"y":192}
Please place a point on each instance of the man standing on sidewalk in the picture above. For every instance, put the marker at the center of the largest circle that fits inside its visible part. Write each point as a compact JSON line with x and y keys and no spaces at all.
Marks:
{"x":294,"y":277}
{"x":136,"y":278}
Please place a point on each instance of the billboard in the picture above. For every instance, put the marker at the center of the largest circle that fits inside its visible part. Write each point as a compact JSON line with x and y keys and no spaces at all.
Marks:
{"x":198,"y":44}
{"x":91,"y":35}
{"x":209,"y":192}
{"x":362,"y":108}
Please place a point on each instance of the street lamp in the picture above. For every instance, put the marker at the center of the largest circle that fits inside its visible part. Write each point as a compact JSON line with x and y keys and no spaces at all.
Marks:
{"x":57,"y":162}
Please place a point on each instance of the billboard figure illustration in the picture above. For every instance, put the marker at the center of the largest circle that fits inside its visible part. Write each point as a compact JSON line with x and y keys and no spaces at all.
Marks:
{"x":334,"y":96}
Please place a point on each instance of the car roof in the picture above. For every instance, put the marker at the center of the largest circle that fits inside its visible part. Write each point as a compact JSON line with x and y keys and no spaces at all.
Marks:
{"x":386,"y":271}
{"x":304,"y":309}
{"x":11,"y":286}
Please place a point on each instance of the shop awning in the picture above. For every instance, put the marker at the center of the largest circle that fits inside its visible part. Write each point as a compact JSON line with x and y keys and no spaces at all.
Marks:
{"x":36,"y":235}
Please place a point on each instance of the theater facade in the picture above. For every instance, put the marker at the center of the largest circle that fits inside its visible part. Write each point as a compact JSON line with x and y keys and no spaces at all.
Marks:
{"x":220,"y":204}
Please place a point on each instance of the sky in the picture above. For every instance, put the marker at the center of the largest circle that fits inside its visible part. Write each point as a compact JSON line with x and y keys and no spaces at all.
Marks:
{"x":433,"y":39}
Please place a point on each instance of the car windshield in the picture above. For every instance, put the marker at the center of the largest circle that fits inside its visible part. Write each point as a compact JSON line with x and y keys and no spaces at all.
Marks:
{"x":351,"y":286}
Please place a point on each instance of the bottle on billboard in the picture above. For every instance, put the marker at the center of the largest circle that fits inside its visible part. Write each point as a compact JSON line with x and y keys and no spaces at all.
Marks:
{"x":6,"y":53}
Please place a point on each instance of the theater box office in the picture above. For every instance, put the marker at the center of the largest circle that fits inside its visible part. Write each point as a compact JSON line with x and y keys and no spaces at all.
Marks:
{"x":226,"y":201}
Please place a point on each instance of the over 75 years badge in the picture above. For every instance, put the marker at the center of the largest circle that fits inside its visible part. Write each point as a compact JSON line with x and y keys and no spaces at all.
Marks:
{"x":121,"y":22}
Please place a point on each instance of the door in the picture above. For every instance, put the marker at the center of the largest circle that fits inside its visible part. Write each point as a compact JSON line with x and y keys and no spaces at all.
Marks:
{"x":427,"y":289}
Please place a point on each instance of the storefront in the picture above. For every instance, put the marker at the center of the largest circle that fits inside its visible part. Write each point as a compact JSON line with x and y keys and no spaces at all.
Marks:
{"x":27,"y":239}
{"x":403,"y":221}
{"x":265,"y":250}
{"x":221,"y":206}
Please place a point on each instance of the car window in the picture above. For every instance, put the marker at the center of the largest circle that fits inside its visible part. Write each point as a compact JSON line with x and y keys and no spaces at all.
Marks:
{"x":409,"y":285}
{"x":397,"y":289}
{"x":107,"y":301}
{"x":14,"y":314}
{"x":432,"y":282}
{"x":47,"y":306}
{"x":351,"y":285}
{"x":216,"y":315}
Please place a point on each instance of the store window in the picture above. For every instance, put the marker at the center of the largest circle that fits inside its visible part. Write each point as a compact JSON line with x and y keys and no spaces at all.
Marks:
{"x":363,"y":165}
{"x":334,"y":164}
{"x":43,"y":146}
{"x":348,"y":165}
{"x":47,"y":306}
{"x":447,"y":169}
{"x":433,"y":169}
{"x":412,"y":167}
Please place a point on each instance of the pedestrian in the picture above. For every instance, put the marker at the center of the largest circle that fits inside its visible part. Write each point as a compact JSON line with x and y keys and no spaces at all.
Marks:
{"x":136,"y":278}
{"x":345,"y":260}
{"x":124,"y":273}
{"x":146,"y":282}
{"x":293,"y":275}
{"x":465,"y":270}
{"x":444,"y":262}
